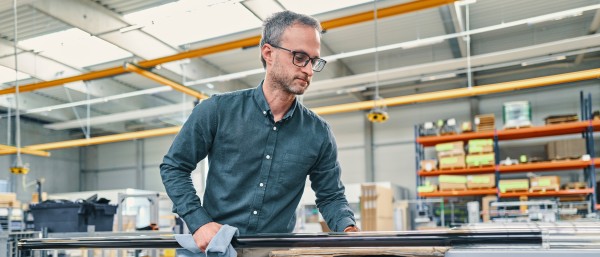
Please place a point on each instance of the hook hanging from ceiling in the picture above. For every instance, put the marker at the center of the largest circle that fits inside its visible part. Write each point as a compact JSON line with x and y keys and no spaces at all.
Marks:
{"x":379,"y":112}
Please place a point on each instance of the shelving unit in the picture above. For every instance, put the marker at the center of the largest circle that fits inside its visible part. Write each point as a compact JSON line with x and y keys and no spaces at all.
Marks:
{"x":585,"y":128}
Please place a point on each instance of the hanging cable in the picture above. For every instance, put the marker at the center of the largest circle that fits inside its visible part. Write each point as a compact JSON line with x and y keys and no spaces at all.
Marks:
{"x":468,"y":38}
{"x":378,"y":113}
{"x":19,"y":161}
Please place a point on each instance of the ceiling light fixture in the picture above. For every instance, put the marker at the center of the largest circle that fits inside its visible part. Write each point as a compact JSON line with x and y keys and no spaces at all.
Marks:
{"x":543,"y":60}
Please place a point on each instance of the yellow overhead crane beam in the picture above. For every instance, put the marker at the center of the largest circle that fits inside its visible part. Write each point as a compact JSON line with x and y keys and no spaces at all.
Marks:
{"x":365,"y":105}
{"x":7,"y":149}
{"x":246,"y":42}
{"x":464,"y":92}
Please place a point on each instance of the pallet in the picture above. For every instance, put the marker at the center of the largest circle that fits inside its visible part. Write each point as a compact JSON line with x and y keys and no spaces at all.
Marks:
{"x":517,"y":127}
{"x":480,"y":188}
{"x":521,"y":190}
{"x":570,"y":158}
{"x":452,"y":189}
{"x":575,"y":185}
{"x":544,"y":189}
{"x":558,"y":119}
{"x":480,"y":166}
{"x":451,"y":168}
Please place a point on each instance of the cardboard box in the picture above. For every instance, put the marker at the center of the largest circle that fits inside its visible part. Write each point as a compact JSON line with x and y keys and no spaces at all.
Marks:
{"x":481,"y":181}
{"x":445,"y":186}
{"x":428,"y":165}
{"x":545,"y":182}
{"x":478,"y":160}
{"x":34,"y":197}
{"x":507,"y":185}
{"x":452,"y":179}
{"x":485,"y":207}
{"x":566,"y":149}
{"x":450,"y":149}
{"x":376,"y":206}
{"x":452,"y":162}
{"x":481,"y":146}
{"x":8,"y":199}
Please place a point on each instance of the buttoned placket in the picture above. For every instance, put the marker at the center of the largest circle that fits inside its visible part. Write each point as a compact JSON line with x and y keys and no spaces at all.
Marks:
{"x":265,"y":171}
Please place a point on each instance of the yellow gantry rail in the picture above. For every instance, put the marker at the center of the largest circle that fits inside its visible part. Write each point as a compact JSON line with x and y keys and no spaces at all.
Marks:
{"x":7,"y":149}
{"x":165,"y":81}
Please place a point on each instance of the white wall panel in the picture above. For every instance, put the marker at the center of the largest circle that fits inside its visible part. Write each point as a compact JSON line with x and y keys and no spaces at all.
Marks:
{"x":116,"y":179}
{"x":352,"y":162}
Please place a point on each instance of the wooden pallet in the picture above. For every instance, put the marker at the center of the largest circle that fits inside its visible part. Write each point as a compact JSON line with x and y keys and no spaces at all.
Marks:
{"x":480,"y":166}
{"x":517,"y":127}
{"x":569,"y":158}
{"x":480,"y":188}
{"x":575,"y":185}
{"x":451,"y":168}
{"x":521,"y":190}
{"x":558,"y":119}
{"x":544,"y":189}
{"x":452,"y":189}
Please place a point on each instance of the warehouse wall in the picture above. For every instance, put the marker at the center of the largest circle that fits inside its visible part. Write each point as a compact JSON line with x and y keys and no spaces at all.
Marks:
{"x":60,"y":171}
{"x":115,"y":165}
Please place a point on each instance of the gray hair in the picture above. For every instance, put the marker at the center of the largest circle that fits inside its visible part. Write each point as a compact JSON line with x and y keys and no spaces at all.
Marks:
{"x":274,"y":26}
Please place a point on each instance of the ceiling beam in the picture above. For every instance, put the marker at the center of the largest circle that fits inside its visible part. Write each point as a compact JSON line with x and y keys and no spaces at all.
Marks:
{"x":162,"y":80}
{"x":241,"y":43}
{"x":594,"y":26}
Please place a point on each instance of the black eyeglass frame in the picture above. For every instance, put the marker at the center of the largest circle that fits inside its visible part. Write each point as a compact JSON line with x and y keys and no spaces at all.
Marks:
{"x":315,"y":61}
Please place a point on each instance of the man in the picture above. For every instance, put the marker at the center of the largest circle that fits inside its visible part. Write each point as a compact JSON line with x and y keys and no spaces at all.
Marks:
{"x":261,"y":144}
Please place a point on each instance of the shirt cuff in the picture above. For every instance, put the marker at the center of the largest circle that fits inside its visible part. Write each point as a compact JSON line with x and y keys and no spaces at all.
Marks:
{"x":196,"y":219}
{"x":344,"y":223}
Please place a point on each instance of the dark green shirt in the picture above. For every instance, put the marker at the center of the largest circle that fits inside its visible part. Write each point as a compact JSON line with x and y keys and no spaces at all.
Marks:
{"x":257,"y":167}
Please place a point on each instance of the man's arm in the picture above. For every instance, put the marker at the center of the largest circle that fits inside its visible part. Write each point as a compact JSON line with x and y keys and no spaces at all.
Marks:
{"x":325,"y":181}
{"x":190,"y":146}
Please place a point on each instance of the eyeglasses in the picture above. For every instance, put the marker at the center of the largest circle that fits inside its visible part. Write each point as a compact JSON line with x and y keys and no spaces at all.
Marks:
{"x":301,"y":59}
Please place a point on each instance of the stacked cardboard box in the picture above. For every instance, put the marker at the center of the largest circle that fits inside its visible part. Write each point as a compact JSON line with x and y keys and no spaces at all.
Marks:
{"x":376,"y":208}
{"x":452,"y":182}
{"x":513,"y":185}
{"x":428,"y":165}
{"x":485,"y":122}
{"x":481,"y":153}
{"x":451,"y":155}
{"x":566,"y":149}
{"x":544,"y":183}
{"x":481,"y":181}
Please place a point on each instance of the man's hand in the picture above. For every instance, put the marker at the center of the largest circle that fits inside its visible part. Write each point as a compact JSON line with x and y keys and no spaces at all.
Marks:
{"x":351,"y":229}
{"x":204,"y":234}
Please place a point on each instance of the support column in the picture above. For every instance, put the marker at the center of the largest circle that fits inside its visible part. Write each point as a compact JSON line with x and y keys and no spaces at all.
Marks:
{"x":139,"y":164}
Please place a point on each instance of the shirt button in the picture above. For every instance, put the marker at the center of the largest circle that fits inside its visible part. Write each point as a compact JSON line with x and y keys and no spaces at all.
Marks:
{"x":268,"y":157}
{"x":261,"y":185}
{"x":274,"y":128}
{"x":264,"y":112}
{"x":255,"y":212}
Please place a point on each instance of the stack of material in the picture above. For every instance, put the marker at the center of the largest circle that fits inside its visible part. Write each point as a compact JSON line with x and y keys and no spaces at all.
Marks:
{"x":376,"y":208}
{"x":481,"y":153}
{"x":485,"y":122}
{"x":451,"y":155}
{"x":513,"y":185}
{"x":566,"y":149}
{"x":545,"y":183}
{"x":452,"y":182}
{"x":557,"y":119}
{"x":481,"y":181}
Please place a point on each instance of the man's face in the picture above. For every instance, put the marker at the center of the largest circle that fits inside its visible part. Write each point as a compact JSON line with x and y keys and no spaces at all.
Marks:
{"x":287,"y":76}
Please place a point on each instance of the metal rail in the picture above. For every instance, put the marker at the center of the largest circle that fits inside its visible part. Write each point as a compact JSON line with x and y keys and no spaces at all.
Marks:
{"x":525,"y":237}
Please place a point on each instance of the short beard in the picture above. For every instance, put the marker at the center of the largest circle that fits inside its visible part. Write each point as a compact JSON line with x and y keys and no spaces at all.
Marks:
{"x":280,"y":82}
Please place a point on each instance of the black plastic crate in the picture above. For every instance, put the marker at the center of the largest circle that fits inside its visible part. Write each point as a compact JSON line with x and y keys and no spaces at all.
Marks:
{"x":72,"y":217}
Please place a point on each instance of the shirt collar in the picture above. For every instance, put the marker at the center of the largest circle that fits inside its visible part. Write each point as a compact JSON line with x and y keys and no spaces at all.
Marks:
{"x":261,"y":101}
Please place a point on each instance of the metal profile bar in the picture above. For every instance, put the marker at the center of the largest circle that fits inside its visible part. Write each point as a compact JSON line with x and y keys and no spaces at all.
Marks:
{"x":361,"y":239}
{"x":165,"y":81}
{"x":241,"y":43}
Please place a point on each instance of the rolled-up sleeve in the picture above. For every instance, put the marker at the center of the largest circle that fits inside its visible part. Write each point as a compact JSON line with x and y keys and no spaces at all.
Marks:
{"x":190,"y":146}
{"x":326,"y":182}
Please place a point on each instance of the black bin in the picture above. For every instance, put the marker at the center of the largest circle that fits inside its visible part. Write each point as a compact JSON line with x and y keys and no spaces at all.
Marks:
{"x":68,"y":216}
